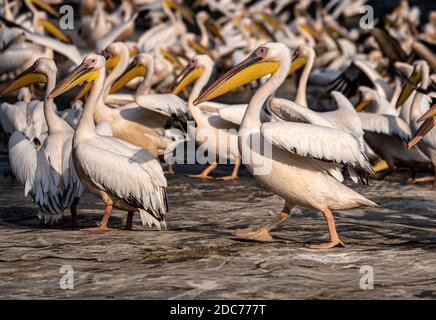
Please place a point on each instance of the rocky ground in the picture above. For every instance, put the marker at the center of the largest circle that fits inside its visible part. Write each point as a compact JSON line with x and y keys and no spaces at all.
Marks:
{"x":197,"y":257}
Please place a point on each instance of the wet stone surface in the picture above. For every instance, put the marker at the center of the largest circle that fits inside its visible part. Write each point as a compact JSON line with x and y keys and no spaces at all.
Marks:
{"x":197,"y":257}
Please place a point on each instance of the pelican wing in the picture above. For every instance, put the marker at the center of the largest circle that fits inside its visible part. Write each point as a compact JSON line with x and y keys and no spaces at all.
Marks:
{"x":23,"y":160}
{"x":233,"y":113}
{"x":318,"y":142}
{"x":13,"y":117}
{"x":129,"y":173}
{"x":385,"y":124}
{"x":288,"y":110}
{"x":168,"y":104}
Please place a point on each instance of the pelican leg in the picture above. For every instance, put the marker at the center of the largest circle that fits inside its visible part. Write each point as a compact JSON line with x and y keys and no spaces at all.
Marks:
{"x":205,"y":173}
{"x":129,"y":221}
{"x":73,"y":211}
{"x":334,"y":238}
{"x":262,"y":234}
{"x":170,"y":170}
{"x":423,"y":179}
{"x":104,"y":221}
{"x":234,"y":175}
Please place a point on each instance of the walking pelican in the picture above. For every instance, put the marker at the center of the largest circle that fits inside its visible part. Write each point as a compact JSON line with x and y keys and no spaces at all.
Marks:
{"x":305,"y":154}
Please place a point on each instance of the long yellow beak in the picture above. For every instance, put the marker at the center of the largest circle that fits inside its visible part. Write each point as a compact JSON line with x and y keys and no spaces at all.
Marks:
{"x":171,"y":58}
{"x":363,"y":105}
{"x":112,"y":62}
{"x":212,"y":27}
{"x":422,"y":131}
{"x":272,"y":21}
{"x":54,"y":30}
{"x":83,"y":73}
{"x":198,"y":47}
{"x":186,"y":76}
{"x":184,"y":11}
{"x":24,"y":79}
{"x":83,"y":90}
{"x":46,"y":7}
{"x":380,"y":166}
{"x":415,"y":78}
{"x":297,"y":64}
{"x":306,"y":28}
{"x":252,"y":68}
{"x":136,"y":70}
{"x":428,"y":114}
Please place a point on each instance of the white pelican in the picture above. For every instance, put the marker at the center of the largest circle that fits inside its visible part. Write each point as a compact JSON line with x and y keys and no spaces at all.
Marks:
{"x":132,"y":123}
{"x":121,"y":174}
{"x":48,"y":174}
{"x":212,"y":132}
{"x":306,"y":155}
{"x":386,"y":132}
{"x":420,"y":110}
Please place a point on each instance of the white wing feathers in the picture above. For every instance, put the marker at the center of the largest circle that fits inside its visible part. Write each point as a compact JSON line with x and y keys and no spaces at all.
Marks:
{"x":129,"y":173}
{"x":23,"y":167}
{"x":307,"y":133}
{"x":318,"y":142}
{"x":164,"y":103}
{"x":385,"y":124}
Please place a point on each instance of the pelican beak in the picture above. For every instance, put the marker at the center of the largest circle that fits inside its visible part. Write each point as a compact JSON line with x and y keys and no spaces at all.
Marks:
{"x":363,"y":104}
{"x":430,"y":113}
{"x":184,"y":11}
{"x":298,"y":61}
{"x":27,"y":77}
{"x":188,"y":75}
{"x":83,"y":73}
{"x":112,"y":60}
{"x":415,"y":79}
{"x":272,"y":21}
{"x":84,"y":89}
{"x":54,"y":30}
{"x":380,"y":166}
{"x":46,"y":7}
{"x":422,"y":131}
{"x":212,"y":27}
{"x":252,"y":68}
{"x":171,"y":58}
{"x":134,"y":70}
{"x":307,"y":28}
{"x":198,"y":47}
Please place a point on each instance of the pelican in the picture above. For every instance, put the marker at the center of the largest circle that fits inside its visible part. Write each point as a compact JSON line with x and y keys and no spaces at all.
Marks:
{"x":386,"y":132}
{"x":305,"y":154}
{"x":143,"y":121}
{"x":420,"y":110}
{"x":48,"y":174}
{"x":121,"y":174}
{"x":212,"y":132}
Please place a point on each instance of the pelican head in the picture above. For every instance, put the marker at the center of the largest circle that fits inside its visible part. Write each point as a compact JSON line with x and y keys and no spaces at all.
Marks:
{"x":300,"y":57}
{"x":211,"y":26}
{"x":366,"y":98}
{"x":88,"y":71}
{"x":112,"y":53}
{"x":184,"y":11}
{"x":193,"y":70}
{"x":138,"y":68}
{"x":42,"y":21}
{"x":37,"y":73}
{"x":263,"y":61}
{"x":419,"y":69}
